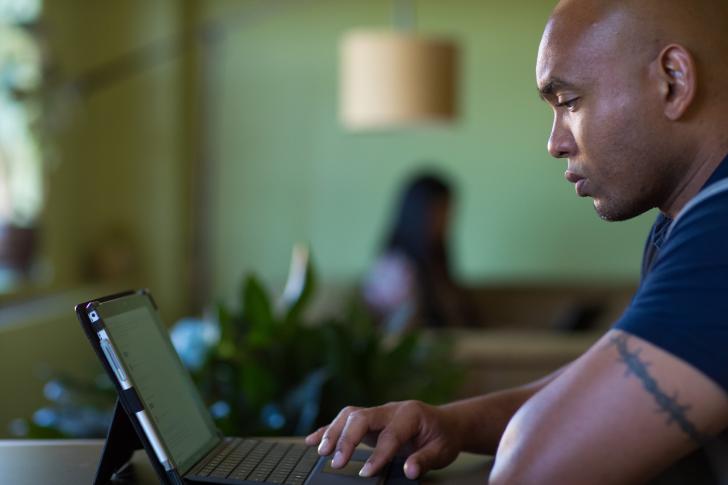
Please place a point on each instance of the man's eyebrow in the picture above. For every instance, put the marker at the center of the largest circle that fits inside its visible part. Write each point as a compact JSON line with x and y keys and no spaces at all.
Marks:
{"x":551,"y":87}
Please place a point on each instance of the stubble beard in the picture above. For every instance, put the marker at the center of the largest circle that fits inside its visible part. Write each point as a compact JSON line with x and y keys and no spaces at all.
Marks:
{"x":615,"y":210}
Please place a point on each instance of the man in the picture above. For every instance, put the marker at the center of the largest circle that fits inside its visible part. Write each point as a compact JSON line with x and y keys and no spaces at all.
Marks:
{"x":639,"y":91}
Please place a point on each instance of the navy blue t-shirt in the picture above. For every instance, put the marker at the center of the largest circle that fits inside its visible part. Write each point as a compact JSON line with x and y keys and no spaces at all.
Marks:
{"x":682,"y":302}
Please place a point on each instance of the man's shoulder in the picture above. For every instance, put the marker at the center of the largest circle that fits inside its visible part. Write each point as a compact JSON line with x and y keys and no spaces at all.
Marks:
{"x":680,"y":305}
{"x":707,"y":212}
{"x":713,"y":197}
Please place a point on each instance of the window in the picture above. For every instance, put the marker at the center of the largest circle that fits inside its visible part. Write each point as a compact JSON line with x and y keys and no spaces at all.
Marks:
{"x":21,"y":161}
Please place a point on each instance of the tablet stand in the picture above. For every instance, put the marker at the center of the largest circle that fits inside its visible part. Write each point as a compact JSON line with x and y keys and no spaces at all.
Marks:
{"x":121,"y":442}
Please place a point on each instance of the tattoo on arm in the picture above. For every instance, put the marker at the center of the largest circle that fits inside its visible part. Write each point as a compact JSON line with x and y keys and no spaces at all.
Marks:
{"x":666,"y":404}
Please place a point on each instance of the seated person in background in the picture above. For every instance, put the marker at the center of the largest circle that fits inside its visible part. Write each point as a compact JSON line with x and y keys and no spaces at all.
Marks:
{"x":411,"y":283}
{"x":638,"y":94}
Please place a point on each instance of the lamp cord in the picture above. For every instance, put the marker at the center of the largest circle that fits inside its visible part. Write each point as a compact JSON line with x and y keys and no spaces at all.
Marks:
{"x":404,"y":14}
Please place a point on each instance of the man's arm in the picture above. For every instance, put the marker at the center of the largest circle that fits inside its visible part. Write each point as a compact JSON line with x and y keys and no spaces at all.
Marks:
{"x":483,"y":419}
{"x":621,"y":413}
{"x":434,"y":435}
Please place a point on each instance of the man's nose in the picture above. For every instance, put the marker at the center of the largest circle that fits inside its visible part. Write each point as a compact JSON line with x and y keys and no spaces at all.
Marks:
{"x":561,"y":142}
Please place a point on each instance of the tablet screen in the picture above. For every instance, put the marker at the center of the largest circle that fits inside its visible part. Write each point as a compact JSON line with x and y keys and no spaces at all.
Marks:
{"x":166,"y":390}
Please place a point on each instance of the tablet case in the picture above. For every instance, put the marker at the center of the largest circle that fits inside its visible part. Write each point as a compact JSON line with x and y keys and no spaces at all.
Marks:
{"x":125,"y":433}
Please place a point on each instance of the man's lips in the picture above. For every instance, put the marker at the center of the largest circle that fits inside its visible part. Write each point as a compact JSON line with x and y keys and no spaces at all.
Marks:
{"x":577,"y":179}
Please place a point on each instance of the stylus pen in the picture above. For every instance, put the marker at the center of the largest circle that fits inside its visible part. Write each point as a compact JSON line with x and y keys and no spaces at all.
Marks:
{"x":141,"y":415}
{"x":153,"y":439}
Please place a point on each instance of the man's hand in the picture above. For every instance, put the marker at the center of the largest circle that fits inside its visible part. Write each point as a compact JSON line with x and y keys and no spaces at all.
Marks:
{"x":430,"y":435}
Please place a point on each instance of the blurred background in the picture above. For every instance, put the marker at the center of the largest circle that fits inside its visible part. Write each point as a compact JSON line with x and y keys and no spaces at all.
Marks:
{"x":182,"y":145}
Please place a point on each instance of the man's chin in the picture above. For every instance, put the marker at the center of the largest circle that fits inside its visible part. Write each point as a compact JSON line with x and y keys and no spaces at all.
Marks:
{"x":605,"y":212}
{"x":610,"y":213}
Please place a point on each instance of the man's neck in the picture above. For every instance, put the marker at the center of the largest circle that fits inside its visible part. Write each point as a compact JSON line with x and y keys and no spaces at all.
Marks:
{"x":695,"y":178}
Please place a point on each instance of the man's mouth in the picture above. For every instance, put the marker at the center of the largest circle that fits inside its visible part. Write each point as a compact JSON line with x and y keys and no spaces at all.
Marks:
{"x":579,"y":180}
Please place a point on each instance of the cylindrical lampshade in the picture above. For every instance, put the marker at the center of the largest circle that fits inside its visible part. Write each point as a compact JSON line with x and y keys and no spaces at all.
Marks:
{"x":395,"y":79}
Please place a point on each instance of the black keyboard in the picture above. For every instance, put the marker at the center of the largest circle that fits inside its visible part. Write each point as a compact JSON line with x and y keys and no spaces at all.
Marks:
{"x":259,"y":461}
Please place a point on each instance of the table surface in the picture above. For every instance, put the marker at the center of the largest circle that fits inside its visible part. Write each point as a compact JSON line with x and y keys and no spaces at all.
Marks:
{"x":32,"y":462}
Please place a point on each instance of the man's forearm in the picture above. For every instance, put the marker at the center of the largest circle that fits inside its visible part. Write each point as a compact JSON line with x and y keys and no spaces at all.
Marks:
{"x":481,"y":420}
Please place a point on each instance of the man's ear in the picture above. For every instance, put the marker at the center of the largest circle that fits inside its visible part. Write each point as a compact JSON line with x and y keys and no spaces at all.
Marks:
{"x":678,"y":80}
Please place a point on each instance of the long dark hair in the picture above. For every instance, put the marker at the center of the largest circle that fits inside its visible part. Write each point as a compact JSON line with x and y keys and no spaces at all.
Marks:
{"x":411,"y":235}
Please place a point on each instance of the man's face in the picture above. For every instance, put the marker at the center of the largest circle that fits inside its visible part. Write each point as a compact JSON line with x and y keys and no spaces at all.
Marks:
{"x":605,"y":123}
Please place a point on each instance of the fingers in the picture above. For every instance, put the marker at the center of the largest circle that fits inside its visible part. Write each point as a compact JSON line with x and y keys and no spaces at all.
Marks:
{"x":358,"y":424}
{"x":423,"y":460}
{"x":315,"y":438}
{"x":398,"y":432}
{"x":330,"y":434}
{"x":396,"y":424}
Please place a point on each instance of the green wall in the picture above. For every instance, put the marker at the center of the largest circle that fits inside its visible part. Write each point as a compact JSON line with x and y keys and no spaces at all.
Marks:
{"x":120,"y":174}
{"x":286,"y":170}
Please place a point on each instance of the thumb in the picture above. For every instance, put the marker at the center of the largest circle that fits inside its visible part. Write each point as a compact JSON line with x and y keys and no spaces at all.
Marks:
{"x":426,"y":458}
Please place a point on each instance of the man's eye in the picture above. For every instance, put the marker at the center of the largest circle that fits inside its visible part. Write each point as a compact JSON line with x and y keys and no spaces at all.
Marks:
{"x":569,"y":104}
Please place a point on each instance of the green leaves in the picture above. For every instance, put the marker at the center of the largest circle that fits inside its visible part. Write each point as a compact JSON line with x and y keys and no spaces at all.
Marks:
{"x":257,"y":313}
{"x":271,"y":362}
{"x":309,"y":287}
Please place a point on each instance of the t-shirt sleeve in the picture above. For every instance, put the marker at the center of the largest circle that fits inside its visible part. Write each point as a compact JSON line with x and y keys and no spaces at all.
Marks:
{"x":682,"y":304}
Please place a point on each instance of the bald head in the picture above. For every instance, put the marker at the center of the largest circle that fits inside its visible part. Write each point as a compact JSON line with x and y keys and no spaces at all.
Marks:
{"x":661,"y":20}
{"x":642,"y":28}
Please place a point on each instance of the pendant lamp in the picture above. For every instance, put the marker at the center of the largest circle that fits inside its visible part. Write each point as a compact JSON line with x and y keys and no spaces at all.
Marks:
{"x":396,"y":78}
